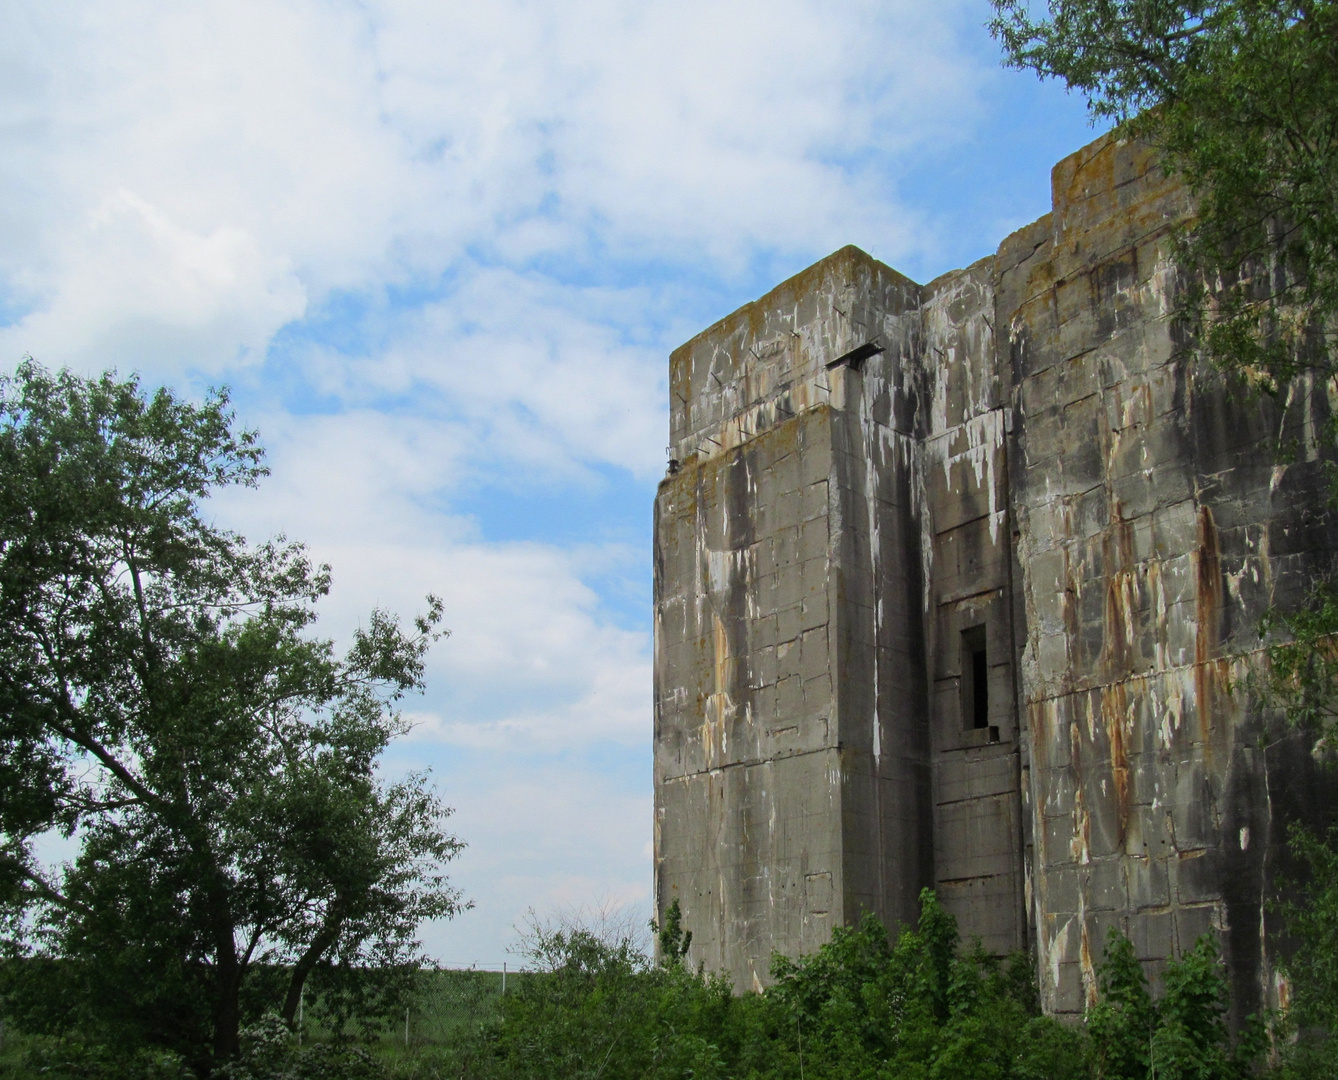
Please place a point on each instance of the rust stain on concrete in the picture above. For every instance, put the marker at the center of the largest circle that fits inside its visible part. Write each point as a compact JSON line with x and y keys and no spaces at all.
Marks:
{"x":1115,"y":715}
{"x":1209,"y":676}
{"x":1088,"y":967}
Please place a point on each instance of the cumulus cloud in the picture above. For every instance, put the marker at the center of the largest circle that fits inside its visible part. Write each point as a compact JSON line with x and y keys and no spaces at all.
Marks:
{"x":530,"y":658}
{"x":442,"y":249}
{"x":203,"y":171}
{"x":545,"y":375}
{"x":141,"y":286}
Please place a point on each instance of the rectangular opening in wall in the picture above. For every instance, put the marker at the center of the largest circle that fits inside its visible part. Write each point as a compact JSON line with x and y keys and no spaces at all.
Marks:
{"x":975,"y":679}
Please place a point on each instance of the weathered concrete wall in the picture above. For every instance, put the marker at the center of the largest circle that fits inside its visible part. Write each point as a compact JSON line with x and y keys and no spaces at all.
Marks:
{"x":1154,"y":531}
{"x":790,"y":746}
{"x":978,"y":823}
{"x":953,"y":584}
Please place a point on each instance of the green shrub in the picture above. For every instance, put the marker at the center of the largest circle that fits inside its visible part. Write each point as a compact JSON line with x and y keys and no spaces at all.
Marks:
{"x":863,"y":1007}
{"x":70,"y":1059}
{"x":859,"y":1007}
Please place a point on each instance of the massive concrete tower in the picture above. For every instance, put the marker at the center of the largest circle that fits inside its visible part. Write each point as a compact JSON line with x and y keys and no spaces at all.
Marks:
{"x":792,"y":764}
{"x":952,"y":583}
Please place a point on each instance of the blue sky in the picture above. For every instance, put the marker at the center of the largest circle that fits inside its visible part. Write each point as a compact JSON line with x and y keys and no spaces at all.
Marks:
{"x":440,"y":251}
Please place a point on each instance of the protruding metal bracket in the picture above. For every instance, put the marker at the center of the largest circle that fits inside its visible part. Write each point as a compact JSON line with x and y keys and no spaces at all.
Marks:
{"x":855,"y":357}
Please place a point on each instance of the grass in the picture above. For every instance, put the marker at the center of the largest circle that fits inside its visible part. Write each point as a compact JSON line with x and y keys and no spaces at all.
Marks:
{"x":451,"y":1003}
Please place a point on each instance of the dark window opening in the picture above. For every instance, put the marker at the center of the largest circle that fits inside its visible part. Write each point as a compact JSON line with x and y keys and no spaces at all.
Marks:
{"x":975,"y":679}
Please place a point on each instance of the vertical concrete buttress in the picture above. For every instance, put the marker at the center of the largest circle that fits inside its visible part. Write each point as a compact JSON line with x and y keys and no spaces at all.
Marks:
{"x":791,"y":760}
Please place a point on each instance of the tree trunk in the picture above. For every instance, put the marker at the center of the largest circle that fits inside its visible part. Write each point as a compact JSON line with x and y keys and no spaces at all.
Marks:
{"x":228,"y":967}
{"x":325,"y":937}
{"x":227,"y":1006}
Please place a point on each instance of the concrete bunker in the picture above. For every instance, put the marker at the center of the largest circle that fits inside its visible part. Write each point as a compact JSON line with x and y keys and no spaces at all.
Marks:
{"x":951,"y":583}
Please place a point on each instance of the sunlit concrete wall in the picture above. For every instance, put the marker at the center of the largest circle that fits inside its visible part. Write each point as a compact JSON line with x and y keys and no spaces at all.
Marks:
{"x":791,"y":761}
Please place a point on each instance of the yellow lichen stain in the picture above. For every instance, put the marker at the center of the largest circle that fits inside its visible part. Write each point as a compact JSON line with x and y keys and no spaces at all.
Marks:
{"x":718,"y":705}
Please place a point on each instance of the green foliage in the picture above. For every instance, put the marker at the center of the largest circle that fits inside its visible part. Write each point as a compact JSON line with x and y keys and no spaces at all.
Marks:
{"x":164,"y":703}
{"x":71,"y":1059}
{"x":1311,"y":914}
{"x":921,"y":1007}
{"x":1122,"y":1022}
{"x":1302,"y":674}
{"x":1302,"y":680}
{"x":268,"y":1051}
{"x":1191,"y":1040}
{"x":674,"y":942}
{"x":601,"y":1008}
{"x":361,"y":1001}
{"x":1313,"y":920}
{"x":865,"y":1007}
{"x":1183,"y":1036}
{"x":1240,"y":97}
{"x":860,"y":1007}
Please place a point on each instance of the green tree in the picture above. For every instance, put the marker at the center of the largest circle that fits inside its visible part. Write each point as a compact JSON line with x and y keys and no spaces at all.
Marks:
{"x":674,"y":942}
{"x":1182,"y":1036}
{"x":1122,"y":1022}
{"x":164,"y":703}
{"x":1241,"y":98}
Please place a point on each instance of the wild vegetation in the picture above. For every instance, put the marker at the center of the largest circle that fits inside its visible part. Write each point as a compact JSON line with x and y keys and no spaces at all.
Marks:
{"x":165,"y":708}
{"x":1241,"y":98}
{"x":922,"y":1005}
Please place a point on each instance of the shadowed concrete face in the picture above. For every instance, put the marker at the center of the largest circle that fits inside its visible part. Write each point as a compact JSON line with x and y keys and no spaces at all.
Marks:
{"x":953,"y":583}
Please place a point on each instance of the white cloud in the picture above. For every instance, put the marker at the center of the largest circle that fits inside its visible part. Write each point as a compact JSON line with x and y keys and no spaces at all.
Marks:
{"x":152,"y":128}
{"x":141,"y":286}
{"x":542,"y":835}
{"x":199,"y":171}
{"x":530,"y":654}
{"x":468,"y":225}
{"x":544,"y":374}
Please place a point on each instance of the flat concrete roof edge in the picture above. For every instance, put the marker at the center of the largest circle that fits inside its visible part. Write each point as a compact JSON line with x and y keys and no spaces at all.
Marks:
{"x":796,"y":285}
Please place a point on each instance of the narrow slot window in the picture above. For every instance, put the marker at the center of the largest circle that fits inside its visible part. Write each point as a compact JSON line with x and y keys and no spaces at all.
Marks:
{"x":980,"y":678}
{"x":975,"y":679}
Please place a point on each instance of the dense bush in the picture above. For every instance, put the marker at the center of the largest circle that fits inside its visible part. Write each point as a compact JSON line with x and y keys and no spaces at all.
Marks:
{"x":860,"y":1007}
{"x":864,"y":1007}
